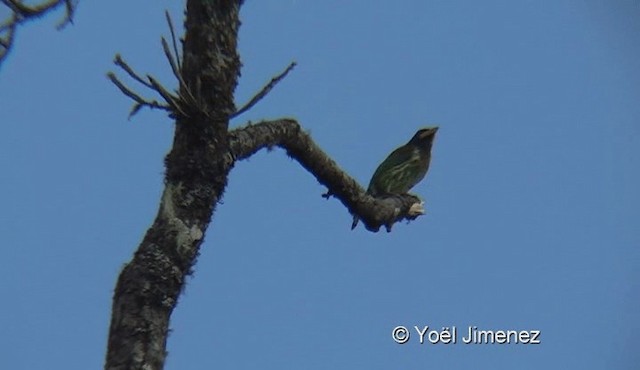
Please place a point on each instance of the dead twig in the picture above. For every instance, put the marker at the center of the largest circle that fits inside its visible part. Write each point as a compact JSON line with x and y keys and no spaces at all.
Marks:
{"x":125,"y":67}
{"x":172,"y":102}
{"x":265,"y":90}
{"x":174,"y":62}
{"x":21,"y":13}
{"x":140,"y":101}
{"x":173,"y":39}
{"x":179,"y":102}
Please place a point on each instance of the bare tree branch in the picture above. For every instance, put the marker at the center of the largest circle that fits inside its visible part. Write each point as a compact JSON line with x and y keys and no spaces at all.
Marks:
{"x":20,"y":13}
{"x":170,"y":58}
{"x":265,"y":90}
{"x":287,"y":134}
{"x":70,"y":9}
{"x":140,"y":101}
{"x":174,"y":62}
{"x":7,"y":40}
{"x":125,"y":67}
{"x":32,"y":11}
{"x":173,"y":39}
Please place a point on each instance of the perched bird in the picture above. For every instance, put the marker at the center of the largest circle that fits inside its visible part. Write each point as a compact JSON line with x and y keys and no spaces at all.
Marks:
{"x":403,"y":168}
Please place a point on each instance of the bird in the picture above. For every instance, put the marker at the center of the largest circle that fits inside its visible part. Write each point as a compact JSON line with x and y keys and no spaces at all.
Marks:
{"x":403,"y":168}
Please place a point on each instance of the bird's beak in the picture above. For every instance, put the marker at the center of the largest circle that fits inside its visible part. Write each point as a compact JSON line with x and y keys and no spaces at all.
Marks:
{"x":429,"y":132}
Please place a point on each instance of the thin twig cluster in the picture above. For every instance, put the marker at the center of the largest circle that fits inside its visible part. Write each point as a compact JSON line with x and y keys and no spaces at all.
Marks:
{"x":183,"y":101}
{"x":179,"y":102}
{"x":20,"y":13}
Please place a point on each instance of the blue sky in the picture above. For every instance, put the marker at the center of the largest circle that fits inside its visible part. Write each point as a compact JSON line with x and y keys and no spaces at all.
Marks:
{"x":532,"y":197}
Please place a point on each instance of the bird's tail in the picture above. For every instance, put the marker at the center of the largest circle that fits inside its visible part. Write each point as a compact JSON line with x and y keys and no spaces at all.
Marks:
{"x":355,"y":222}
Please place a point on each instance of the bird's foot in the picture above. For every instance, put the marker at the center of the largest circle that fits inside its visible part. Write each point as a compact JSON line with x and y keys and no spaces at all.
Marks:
{"x":328,"y":194}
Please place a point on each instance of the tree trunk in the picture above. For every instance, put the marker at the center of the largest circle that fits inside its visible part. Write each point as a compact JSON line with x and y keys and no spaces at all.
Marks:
{"x":196,"y":175}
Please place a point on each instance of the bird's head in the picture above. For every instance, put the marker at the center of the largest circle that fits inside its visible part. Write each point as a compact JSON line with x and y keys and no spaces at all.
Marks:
{"x":424,"y":136}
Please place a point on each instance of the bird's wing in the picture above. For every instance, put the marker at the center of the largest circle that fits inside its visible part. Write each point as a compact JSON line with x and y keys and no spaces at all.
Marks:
{"x":401,"y":156}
